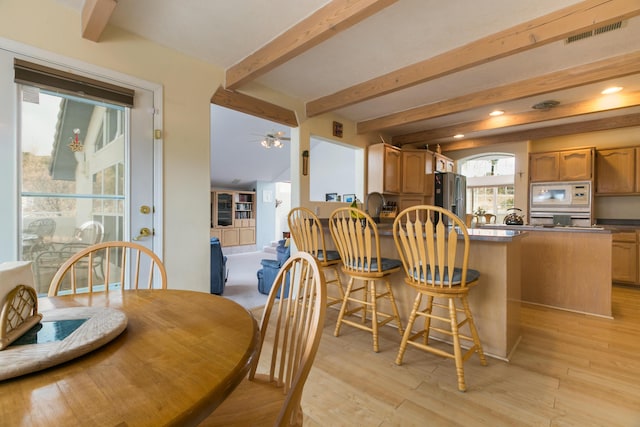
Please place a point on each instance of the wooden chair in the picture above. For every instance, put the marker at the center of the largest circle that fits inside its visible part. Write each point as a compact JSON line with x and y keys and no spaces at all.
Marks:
{"x":125,"y":265}
{"x":308,"y":236}
{"x":355,"y":234}
{"x":290,"y":333}
{"x":437,"y":268}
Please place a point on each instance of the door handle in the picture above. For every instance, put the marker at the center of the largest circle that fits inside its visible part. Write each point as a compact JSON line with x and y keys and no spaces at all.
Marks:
{"x":144,"y":232}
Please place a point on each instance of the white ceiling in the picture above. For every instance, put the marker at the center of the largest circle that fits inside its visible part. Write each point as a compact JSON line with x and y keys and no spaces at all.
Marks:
{"x":404,"y":33}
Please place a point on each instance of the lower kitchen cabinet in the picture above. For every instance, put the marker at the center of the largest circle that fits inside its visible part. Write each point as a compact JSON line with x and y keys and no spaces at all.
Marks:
{"x":625,"y":258}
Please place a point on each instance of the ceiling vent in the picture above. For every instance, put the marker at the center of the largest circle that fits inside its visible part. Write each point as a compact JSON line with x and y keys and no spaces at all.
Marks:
{"x":545,"y":105}
{"x":594,"y":32}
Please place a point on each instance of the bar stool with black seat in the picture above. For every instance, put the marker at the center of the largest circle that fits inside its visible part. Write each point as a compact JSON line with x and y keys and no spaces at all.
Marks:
{"x":437,"y":268}
{"x":308,"y":236}
{"x":355,"y":235}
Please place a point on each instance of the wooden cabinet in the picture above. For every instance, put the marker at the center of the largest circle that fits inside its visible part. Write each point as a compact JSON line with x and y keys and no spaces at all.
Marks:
{"x":616,"y":171}
{"x":576,"y":165}
{"x":443,"y":163}
{"x":638,"y":169}
{"x":414,"y":171}
{"x":384,"y":174}
{"x":233,"y":218}
{"x":624,"y":257}
{"x":570,"y":165}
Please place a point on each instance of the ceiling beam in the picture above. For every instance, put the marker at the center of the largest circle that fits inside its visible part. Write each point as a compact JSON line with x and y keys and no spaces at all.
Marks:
{"x":538,"y":32}
{"x":336,"y":16}
{"x":95,"y":17}
{"x":254,"y":106}
{"x":598,"y":71}
{"x":547,"y":132}
{"x":604,"y":103}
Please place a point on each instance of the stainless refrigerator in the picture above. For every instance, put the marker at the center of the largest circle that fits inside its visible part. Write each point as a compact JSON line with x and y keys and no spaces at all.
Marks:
{"x":451,"y":192}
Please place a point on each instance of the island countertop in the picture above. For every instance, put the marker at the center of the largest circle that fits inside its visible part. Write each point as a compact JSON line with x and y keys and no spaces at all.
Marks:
{"x":483,"y":233}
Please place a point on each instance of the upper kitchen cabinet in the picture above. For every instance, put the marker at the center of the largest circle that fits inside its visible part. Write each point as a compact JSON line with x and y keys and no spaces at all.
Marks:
{"x":570,"y":165}
{"x":415,"y":166}
{"x":384,"y":171}
{"x":443,"y":163}
{"x":617,"y":171}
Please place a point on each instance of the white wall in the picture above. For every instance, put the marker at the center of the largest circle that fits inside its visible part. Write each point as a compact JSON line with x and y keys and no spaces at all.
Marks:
{"x":333,"y":168}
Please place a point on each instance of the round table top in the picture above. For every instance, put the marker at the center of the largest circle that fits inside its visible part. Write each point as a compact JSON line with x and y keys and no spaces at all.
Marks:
{"x":180,"y":356}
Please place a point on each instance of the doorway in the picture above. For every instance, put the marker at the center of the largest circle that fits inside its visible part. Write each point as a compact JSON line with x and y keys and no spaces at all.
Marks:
{"x":70,"y":161}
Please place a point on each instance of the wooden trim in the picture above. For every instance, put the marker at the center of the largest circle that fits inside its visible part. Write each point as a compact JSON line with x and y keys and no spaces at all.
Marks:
{"x":254,"y":106}
{"x":95,"y":17}
{"x":598,"y":71}
{"x":559,"y":112}
{"x":325,"y":23}
{"x":538,"y":32}
{"x":566,"y":129}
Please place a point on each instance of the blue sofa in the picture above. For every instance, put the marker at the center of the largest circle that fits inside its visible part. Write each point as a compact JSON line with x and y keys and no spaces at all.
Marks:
{"x":270,"y":267}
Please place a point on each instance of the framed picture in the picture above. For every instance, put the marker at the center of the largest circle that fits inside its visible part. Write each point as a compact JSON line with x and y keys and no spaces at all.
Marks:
{"x":348,"y":198}
{"x":331,"y":197}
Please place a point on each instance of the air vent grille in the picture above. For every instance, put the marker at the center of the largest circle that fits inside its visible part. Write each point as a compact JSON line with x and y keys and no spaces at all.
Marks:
{"x":594,"y":32}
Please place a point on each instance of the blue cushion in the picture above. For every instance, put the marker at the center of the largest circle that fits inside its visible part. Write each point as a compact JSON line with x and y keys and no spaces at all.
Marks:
{"x":331,"y":255}
{"x":457,"y":276}
{"x":387,"y":264}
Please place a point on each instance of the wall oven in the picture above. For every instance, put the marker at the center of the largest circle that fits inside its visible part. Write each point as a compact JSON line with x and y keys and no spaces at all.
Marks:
{"x":560,"y":203}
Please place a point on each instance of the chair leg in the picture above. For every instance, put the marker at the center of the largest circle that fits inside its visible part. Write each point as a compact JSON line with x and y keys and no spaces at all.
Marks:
{"x":427,"y":320}
{"x":374,"y":314}
{"x":407,"y":332}
{"x":343,"y":307}
{"x":335,"y":281}
{"x":457,"y":351}
{"x":394,"y":307}
{"x":474,"y":331}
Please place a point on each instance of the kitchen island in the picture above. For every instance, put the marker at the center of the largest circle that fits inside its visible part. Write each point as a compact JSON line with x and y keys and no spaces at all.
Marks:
{"x":495,"y":301}
{"x":566,"y":267}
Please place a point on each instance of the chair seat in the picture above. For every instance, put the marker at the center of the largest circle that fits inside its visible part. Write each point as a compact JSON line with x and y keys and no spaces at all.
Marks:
{"x":386,"y":264}
{"x":472,"y":276}
{"x":330,"y":256}
{"x":252,"y":403}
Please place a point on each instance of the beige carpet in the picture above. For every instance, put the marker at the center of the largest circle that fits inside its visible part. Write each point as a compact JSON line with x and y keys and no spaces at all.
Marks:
{"x":242,"y":282}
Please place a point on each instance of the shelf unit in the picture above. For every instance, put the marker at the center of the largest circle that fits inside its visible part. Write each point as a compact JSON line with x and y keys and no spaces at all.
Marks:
{"x":233,"y":217}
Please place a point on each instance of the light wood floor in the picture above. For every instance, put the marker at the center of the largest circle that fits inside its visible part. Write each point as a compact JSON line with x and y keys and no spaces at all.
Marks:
{"x":568,"y":370}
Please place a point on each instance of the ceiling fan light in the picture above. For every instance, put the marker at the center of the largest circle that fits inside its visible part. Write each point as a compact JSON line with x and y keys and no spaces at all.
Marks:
{"x":265,"y":143}
{"x":277,"y":143}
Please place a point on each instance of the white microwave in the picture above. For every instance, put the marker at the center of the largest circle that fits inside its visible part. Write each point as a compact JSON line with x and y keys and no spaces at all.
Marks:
{"x":560,"y":196}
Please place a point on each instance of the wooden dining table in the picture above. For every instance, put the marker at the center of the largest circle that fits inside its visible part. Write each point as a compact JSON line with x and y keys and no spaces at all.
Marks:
{"x":181,"y":354}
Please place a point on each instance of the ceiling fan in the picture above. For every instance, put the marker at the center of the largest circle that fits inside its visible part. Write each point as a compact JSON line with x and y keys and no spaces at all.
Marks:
{"x":274,"y":139}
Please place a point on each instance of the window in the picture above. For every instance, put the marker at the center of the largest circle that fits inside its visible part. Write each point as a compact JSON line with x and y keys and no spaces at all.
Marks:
{"x":490,"y":183}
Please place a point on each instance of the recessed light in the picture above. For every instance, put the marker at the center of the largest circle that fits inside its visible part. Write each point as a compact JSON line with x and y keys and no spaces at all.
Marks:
{"x":610,"y":90}
{"x":458,"y":136}
{"x":496,"y":113}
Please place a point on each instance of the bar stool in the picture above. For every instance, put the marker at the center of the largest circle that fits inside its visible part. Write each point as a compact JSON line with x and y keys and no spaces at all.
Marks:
{"x":428,"y":252}
{"x":306,"y":231}
{"x":355,"y":235}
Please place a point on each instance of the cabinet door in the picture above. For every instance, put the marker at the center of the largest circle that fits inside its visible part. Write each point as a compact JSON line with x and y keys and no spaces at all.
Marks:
{"x":442,"y":163}
{"x":392,"y":168}
{"x":230,"y":237}
{"x":638,"y":170}
{"x":413,"y":172}
{"x":544,"y":166}
{"x":624,"y":258}
{"x":247,"y":236}
{"x":407,"y":202}
{"x":576,"y":164}
{"x":615,"y":170}
{"x":223,"y":209}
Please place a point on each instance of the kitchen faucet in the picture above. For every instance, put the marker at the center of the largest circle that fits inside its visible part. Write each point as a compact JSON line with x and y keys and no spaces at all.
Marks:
{"x":376,"y":215}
